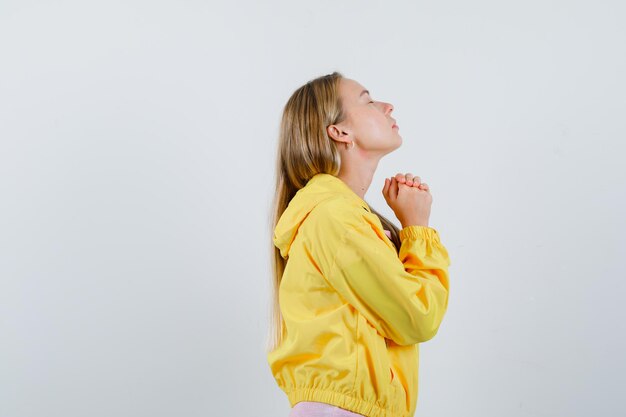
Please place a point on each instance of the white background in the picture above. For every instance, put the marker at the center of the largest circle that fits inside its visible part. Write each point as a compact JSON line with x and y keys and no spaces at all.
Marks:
{"x":136,"y":171}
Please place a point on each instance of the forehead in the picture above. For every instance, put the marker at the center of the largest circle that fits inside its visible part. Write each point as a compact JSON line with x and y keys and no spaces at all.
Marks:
{"x":351,"y":90}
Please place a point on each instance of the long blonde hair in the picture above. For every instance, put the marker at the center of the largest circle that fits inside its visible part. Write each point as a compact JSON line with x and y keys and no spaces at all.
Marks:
{"x":305,"y":149}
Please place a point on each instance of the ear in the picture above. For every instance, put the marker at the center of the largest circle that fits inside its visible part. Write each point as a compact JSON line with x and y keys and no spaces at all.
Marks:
{"x":337,"y":133}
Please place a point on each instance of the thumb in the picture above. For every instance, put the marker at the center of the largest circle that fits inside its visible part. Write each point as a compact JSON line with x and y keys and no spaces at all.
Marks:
{"x":385,"y":190}
{"x":393,"y":188}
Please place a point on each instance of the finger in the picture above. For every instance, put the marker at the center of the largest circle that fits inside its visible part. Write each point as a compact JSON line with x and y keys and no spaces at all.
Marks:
{"x":393,"y":192}
{"x":386,"y":187}
{"x":415,"y":181}
{"x":402,"y":188}
{"x":409,"y":178}
{"x":400,"y":178}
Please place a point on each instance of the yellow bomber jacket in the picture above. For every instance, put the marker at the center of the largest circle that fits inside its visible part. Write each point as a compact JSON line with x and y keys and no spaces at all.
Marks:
{"x":355,"y":310}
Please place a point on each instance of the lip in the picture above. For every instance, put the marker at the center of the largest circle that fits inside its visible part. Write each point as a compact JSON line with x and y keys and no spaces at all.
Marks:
{"x":395,"y":126}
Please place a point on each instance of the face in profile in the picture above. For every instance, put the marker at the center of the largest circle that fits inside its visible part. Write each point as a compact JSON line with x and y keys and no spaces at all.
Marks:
{"x":368,"y":121}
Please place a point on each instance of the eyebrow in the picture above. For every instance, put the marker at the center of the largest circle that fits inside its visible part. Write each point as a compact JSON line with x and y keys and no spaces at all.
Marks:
{"x":363,"y":92}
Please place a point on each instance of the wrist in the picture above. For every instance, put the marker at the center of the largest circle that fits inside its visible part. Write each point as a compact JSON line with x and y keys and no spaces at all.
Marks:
{"x":415,"y":223}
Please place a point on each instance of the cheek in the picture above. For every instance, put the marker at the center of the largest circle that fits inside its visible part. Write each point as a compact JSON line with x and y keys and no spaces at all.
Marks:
{"x":372,"y":126}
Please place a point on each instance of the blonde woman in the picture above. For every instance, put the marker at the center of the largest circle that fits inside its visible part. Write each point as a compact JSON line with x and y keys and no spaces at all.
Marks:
{"x":354,"y":295}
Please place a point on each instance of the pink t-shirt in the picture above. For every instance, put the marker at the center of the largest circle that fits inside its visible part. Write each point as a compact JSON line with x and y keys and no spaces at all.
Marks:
{"x":317,"y":409}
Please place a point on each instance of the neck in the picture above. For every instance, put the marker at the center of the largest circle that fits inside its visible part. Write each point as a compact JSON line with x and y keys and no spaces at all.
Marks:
{"x":358,"y":176}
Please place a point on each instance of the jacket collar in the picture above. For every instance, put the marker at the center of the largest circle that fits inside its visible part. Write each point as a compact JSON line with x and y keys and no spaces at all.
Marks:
{"x":319,"y":188}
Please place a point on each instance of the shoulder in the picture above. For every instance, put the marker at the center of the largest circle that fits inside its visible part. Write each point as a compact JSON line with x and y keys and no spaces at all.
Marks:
{"x":337,"y":216}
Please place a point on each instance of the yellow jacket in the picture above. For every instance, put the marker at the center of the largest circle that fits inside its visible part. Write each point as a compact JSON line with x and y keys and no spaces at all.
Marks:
{"x":355,"y":310}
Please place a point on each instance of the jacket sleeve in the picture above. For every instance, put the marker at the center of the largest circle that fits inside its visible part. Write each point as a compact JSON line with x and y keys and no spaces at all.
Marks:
{"x":403,"y":295}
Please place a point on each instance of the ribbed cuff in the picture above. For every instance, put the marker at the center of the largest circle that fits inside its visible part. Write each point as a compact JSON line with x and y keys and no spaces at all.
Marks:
{"x":415,"y":231}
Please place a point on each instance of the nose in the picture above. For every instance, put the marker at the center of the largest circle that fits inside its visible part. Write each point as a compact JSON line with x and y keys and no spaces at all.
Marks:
{"x":388,"y":108}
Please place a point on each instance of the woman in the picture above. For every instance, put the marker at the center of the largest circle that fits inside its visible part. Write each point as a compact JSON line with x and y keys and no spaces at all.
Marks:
{"x":353,"y":294}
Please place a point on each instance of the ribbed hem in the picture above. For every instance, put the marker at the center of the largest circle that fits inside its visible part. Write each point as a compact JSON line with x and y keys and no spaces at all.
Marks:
{"x":415,"y":231}
{"x":339,"y":399}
